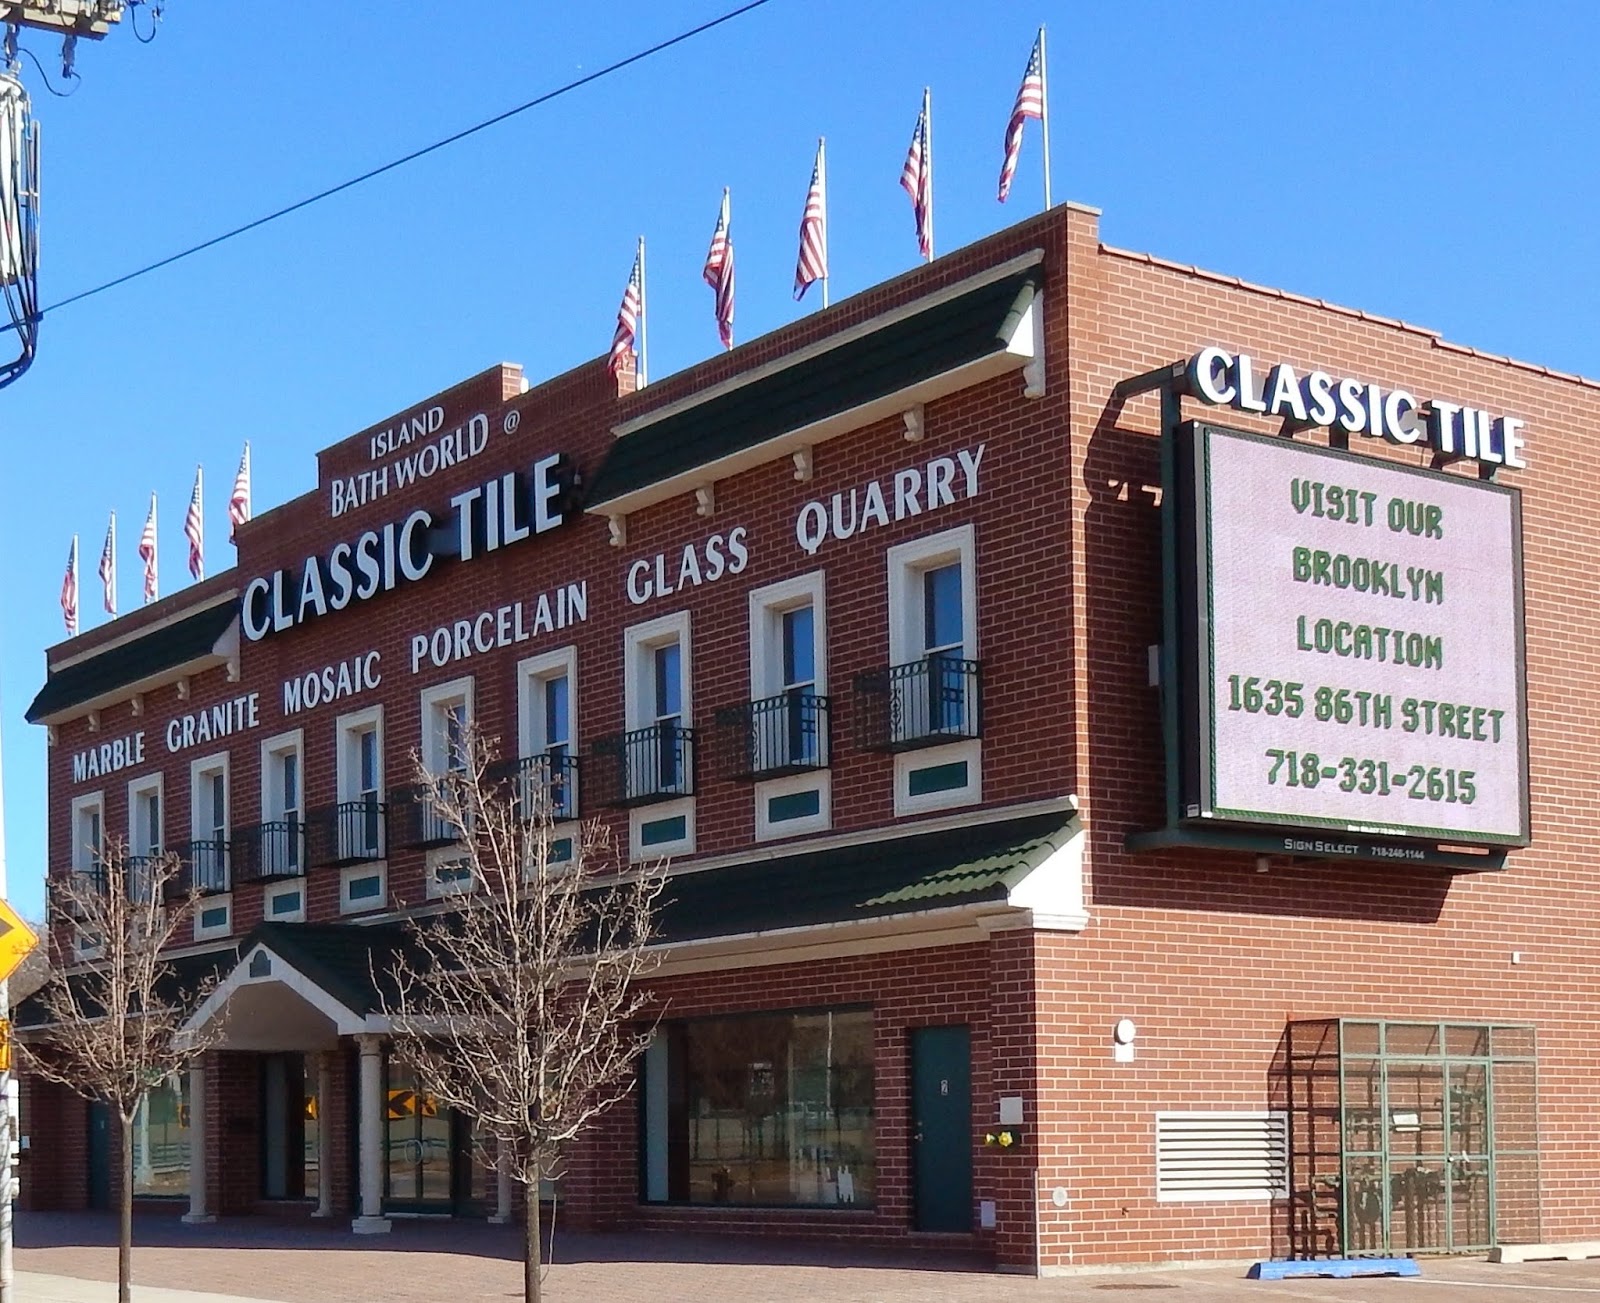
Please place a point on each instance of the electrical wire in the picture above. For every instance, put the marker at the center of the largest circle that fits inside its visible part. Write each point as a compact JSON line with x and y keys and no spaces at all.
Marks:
{"x":45,"y":77}
{"x":412,"y":157}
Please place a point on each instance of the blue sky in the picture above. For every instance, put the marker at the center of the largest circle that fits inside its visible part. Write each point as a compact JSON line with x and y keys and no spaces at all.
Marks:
{"x":1428,"y":161}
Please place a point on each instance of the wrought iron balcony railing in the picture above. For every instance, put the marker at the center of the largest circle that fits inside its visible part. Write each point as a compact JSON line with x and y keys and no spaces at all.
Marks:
{"x":655,"y":763}
{"x":542,"y":784}
{"x":270,"y":850}
{"x":350,"y":832}
{"x":203,"y":867}
{"x":786,"y":734}
{"x":415,"y":820}
{"x":138,"y":873}
{"x":920,"y":704}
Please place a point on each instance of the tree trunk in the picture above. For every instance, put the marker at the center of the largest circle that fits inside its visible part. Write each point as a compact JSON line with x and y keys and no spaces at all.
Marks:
{"x":125,"y":1213}
{"x":530,"y":1241}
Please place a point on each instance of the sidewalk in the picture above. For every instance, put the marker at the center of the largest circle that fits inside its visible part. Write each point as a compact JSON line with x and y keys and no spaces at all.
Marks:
{"x":64,"y":1258}
{"x":35,"y":1287}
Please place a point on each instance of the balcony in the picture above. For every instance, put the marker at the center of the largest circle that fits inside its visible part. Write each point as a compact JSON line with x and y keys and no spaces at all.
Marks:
{"x":138,"y":871}
{"x":920,"y":704}
{"x":786,"y":734}
{"x":265,"y":852}
{"x":351,"y":832}
{"x":646,"y":765}
{"x":542,"y":785}
{"x":203,"y":868}
{"x":68,"y":889}
{"x":416,"y":822}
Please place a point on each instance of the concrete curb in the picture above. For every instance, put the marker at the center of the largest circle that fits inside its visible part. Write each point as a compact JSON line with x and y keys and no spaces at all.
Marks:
{"x":39,"y":1288}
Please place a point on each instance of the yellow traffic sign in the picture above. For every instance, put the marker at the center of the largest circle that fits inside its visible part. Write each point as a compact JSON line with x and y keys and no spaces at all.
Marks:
{"x":16,"y":940}
{"x":5,"y":1045}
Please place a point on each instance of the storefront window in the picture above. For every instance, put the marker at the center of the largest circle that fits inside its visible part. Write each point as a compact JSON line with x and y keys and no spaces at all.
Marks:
{"x":772,"y":1109}
{"x":161,"y":1140}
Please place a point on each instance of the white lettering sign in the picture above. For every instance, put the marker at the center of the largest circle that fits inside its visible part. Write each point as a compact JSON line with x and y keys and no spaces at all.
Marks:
{"x":941,"y":482}
{"x":332,"y":683}
{"x":451,"y":448}
{"x":108,"y":757}
{"x":1355,"y":407}
{"x":501,"y":627}
{"x":698,"y":563}
{"x":219,"y":721}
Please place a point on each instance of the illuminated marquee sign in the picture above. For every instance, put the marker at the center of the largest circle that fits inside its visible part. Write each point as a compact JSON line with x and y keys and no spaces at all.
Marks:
{"x":1353,"y":638}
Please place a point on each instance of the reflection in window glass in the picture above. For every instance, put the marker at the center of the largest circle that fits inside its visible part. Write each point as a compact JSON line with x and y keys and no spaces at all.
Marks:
{"x":161,"y":1140}
{"x":775,"y":1109}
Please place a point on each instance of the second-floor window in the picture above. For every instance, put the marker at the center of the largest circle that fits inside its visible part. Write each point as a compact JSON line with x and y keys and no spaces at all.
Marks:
{"x":282,"y":806}
{"x":88,"y":833}
{"x":360,"y":784}
{"x":547,"y":691}
{"x":208,"y":825}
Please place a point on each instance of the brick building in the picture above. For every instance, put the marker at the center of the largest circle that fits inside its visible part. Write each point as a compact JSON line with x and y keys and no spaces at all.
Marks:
{"x":899,"y":630}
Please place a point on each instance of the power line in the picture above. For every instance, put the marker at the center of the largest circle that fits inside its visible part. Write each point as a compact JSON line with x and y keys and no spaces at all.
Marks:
{"x":403,"y":160}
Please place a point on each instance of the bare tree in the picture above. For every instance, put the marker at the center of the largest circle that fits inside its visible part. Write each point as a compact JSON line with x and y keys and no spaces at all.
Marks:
{"x":521,"y":1005}
{"x":113,"y":1023}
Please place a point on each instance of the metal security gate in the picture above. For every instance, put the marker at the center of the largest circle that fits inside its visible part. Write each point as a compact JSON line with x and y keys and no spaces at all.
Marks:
{"x":1411,"y":1137}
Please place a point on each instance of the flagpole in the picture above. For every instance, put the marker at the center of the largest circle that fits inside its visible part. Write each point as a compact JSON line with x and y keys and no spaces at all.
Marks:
{"x":155,"y":549}
{"x":822,"y":180}
{"x":927,"y":116}
{"x":113,"y":565}
{"x":1044,"y":114}
{"x":641,"y":377}
{"x":727,"y":230}
{"x":200,"y":491}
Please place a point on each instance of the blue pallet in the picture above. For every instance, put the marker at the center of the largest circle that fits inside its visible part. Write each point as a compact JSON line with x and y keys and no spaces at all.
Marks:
{"x":1340,"y":1268}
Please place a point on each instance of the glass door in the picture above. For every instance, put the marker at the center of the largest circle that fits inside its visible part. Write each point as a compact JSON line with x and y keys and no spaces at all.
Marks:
{"x":427,"y":1152}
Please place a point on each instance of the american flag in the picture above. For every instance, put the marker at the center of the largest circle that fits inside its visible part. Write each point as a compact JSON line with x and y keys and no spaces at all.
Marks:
{"x":147,"y":552}
{"x":916,"y":179}
{"x":108,"y":566}
{"x":813,"y":262}
{"x":626,"y":338}
{"x":194,"y":529}
{"x":718,"y":273}
{"x":239,"y":499}
{"x":69,"y":591}
{"x":1030,"y":104}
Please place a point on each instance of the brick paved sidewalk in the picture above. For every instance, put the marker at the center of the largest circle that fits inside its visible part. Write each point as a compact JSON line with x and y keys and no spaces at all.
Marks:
{"x":466,"y":1262}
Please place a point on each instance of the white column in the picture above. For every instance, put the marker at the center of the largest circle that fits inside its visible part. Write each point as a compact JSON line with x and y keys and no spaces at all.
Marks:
{"x":324,"y":1167}
{"x":197,"y":1147}
{"x":502,"y":1188}
{"x":372,"y":1110}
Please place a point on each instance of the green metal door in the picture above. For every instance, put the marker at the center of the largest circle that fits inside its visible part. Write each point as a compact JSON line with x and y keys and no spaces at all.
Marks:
{"x":100,"y":1140}
{"x":941,"y":1128}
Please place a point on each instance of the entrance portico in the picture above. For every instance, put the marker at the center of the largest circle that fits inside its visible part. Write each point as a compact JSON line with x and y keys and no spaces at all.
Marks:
{"x":298,"y":998}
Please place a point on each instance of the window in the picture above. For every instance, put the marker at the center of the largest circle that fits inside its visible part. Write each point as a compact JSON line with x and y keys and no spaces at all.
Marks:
{"x":655,"y":757}
{"x":88,"y":832}
{"x":547,"y":726}
{"x":929,"y":700}
{"x":278,"y":847}
{"x":762,"y":1110}
{"x":786,"y":742}
{"x":144,"y":834}
{"x":359,"y":814}
{"x":207,"y":857}
{"x":284,"y":902}
{"x":161,"y":1140}
{"x":1221,"y":1155}
{"x":363,"y":887}
{"x":446,"y":715}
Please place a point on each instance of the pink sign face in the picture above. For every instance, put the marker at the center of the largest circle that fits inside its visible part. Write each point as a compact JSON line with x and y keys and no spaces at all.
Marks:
{"x":1365,"y":643}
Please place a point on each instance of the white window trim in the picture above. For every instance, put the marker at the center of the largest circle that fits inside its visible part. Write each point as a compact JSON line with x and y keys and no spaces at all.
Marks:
{"x":272,"y":890}
{"x":819,"y":780}
{"x":225,"y":928}
{"x":348,"y":775}
{"x":530,"y":670}
{"x":766,"y":644}
{"x":143,"y":786}
{"x":639,"y":686}
{"x":204,"y":768}
{"x":905,"y":598}
{"x":271,"y":748}
{"x":80,"y":805}
{"x":353,"y":871}
{"x":905,"y":803}
{"x":433,"y":697}
{"x":82,"y":951}
{"x":445,"y":857}
{"x":640,"y":815}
